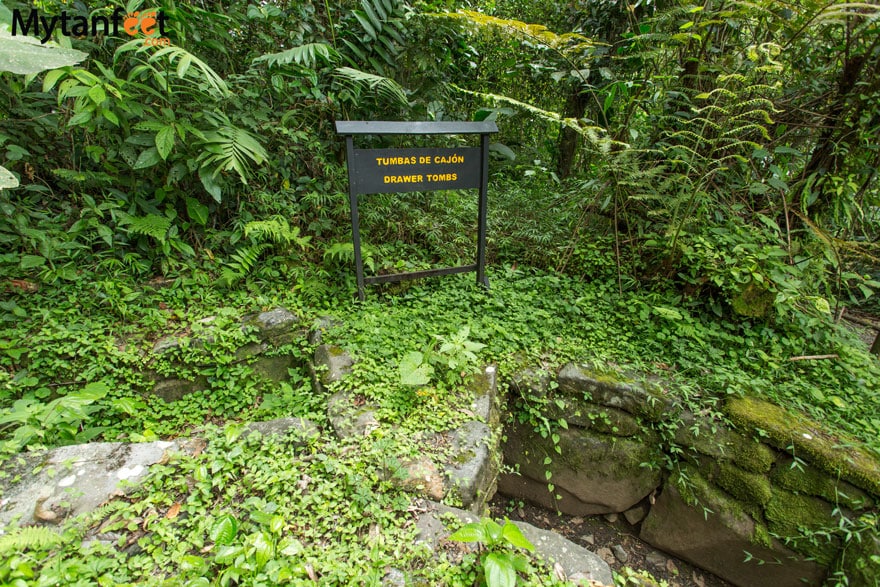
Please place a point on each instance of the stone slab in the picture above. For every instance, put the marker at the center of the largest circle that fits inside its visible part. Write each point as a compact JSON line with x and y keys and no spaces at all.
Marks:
{"x":722,"y":541}
{"x":605,"y":473}
{"x":72,"y":480}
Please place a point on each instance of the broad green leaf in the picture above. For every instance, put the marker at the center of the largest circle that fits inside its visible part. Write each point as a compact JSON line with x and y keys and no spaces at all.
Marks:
{"x":31,"y":261}
{"x":365,"y":22}
{"x":129,"y":405}
{"x":51,"y":78}
{"x":7,"y":180}
{"x":165,"y":141}
{"x":26,"y":55}
{"x":210,"y":185}
{"x":93,"y":391}
{"x":413,"y":370}
{"x":110,"y":116}
{"x":197,"y":211}
{"x":81,"y":117}
{"x":224,"y":530}
{"x":147,"y":158}
{"x":499,"y":570}
{"x":503,"y":150}
{"x":493,"y":530}
{"x":513,"y":535}
{"x":97,"y":94}
{"x":472,"y":532}
{"x":263,"y":547}
{"x":183,"y":65}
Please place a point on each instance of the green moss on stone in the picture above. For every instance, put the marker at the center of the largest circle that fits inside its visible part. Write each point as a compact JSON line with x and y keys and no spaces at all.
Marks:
{"x":754,"y":301}
{"x":762,"y":536}
{"x":803,"y":478}
{"x":699,"y":492}
{"x":804,"y":520}
{"x":464,"y":457}
{"x":788,"y":431}
{"x":716,"y":440}
{"x":749,"y":487}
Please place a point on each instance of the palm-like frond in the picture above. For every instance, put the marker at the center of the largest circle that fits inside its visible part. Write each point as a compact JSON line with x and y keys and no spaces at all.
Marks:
{"x":385,"y":88}
{"x":307,"y":55}
{"x":229,"y":148}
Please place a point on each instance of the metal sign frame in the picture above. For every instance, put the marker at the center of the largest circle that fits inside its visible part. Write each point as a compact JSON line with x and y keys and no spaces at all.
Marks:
{"x":420,"y":169}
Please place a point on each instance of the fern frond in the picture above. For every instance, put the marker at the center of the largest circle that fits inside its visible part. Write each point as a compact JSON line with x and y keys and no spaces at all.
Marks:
{"x":21,"y":539}
{"x":385,"y":88}
{"x":306,"y":55}
{"x":229,"y":148}
{"x":241,"y":262}
{"x":151,"y":225}
{"x":276,"y":229}
{"x":185,"y":60}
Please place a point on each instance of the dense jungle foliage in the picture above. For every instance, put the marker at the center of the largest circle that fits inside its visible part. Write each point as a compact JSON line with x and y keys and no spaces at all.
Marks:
{"x":685,"y":188}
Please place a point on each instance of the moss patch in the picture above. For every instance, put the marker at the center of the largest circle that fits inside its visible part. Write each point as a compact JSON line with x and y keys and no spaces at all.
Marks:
{"x":804,"y":520}
{"x":749,"y":487}
{"x":785,"y":430}
{"x":806,"y":479}
{"x":716,"y":440}
{"x":753,"y":301}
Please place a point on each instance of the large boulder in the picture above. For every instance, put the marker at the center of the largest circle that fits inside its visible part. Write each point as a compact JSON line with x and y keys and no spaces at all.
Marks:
{"x":593,"y":473}
{"x":72,"y":480}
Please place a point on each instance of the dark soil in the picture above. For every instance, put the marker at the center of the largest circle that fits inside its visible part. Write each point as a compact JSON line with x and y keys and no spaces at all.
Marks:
{"x":599,"y":535}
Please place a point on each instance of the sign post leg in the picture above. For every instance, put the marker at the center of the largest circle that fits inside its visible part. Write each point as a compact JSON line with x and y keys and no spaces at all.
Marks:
{"x":483,"y":211}
{"x":355,"y":222}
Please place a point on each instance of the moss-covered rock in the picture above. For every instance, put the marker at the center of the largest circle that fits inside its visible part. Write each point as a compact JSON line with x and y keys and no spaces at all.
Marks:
{"x":753,"y":300}
{"x":804,"y":522}
{"x":702,"y":524}
{"x":605,"y":473}
{"x":615,"y":391}
{"x":277,"y":327}
{"x":715,"y":439}
{"x":752,"y":488}
{"x":806,"y":479}
{"x":785,"y":430}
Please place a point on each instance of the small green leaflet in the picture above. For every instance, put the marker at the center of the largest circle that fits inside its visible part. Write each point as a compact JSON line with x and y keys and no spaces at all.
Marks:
{"x":224,"y":530}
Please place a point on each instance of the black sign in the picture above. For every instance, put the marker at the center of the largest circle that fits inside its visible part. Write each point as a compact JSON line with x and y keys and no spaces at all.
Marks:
{"x":380,"y":171}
